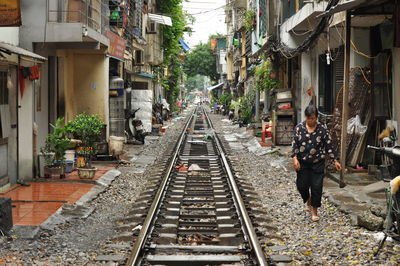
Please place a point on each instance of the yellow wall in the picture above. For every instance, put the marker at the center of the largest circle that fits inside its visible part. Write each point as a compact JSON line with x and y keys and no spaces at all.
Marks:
{"x":84,"y":76}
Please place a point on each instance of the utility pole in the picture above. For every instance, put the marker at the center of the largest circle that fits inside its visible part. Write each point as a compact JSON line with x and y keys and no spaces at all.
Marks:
{"x":345,"y":109}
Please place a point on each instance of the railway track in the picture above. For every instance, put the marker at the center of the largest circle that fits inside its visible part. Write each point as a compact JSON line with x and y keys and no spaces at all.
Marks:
{"x":197,"y":215}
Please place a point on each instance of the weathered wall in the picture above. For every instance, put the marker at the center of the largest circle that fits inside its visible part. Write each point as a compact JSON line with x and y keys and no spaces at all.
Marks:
{"x":360,"y":38}
{"x":84,"y":80}
{"x":25,"y":133}
{"x":33,"y":23}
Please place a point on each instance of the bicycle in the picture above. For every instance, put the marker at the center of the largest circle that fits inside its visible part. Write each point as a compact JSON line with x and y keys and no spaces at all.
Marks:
{"x":392,"y":221}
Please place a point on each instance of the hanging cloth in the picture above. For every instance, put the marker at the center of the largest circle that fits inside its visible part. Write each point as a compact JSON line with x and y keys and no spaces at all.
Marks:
{"x":35,"y":72}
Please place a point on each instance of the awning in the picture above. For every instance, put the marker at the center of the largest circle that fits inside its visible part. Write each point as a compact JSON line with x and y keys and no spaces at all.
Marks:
{"x":184,"y":45}
{"x":348,"y":5}
{"x":160,"y":19}
{"x":12,"y":49}
{"x":215,"y":87}
{"x":144,"y":75}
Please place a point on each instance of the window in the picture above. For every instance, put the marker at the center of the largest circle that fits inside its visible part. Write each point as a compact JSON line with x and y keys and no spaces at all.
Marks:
{"x":3,"y":88}
{"x":139,"y":58}
{"x":3,"y":104}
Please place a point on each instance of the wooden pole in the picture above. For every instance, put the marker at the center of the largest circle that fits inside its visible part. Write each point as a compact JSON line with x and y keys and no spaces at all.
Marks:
{"x":345,"y":110}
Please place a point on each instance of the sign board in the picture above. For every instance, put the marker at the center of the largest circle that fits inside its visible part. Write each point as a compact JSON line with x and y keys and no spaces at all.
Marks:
{"x":117,"y":45}
{"x":10,"y":13}
{"x":128,"y":65}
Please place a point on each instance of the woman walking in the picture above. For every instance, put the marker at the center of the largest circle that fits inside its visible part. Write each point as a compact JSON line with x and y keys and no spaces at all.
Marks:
{"x":311,"y":146}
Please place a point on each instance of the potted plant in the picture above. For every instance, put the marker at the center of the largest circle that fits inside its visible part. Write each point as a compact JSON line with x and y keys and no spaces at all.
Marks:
{"x":57,"y":143}
{"x":86,"y":128}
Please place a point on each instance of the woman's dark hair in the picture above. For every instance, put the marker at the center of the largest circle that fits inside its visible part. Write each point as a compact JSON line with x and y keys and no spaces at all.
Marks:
{"x":311,"y":110}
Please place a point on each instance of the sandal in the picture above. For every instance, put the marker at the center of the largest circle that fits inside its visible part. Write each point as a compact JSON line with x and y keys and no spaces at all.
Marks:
{"x":314,"y":218}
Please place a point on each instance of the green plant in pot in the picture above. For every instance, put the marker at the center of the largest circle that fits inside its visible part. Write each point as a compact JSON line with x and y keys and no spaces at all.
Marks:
{"x":86,"y":128}
{"x":57,"y":143}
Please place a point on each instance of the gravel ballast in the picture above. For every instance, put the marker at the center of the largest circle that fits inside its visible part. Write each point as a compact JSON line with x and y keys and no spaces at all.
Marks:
{"x":287,"y":230}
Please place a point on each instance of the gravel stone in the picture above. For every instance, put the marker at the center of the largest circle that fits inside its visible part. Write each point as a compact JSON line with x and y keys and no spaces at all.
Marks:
{"x":283,"y":223}
{"x":331,"y":241}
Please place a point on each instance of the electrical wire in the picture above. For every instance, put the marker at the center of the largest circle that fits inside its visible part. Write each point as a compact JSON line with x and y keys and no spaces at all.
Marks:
{"x":208,"y":11}
{"x":289,"y":52}
{"x":362,"y":72}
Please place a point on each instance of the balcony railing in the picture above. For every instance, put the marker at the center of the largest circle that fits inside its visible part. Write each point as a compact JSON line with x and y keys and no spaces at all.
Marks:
{"x":93,"y":14}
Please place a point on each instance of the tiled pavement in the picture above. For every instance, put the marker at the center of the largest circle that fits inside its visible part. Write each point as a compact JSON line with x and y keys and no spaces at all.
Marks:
{"x":32,"y":205}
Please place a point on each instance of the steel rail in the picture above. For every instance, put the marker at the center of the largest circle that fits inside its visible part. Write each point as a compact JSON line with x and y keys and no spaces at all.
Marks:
{"x":242,"y":208}
{"x":137,"y":248}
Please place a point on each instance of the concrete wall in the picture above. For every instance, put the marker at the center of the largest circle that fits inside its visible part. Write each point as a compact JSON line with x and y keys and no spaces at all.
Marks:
{"x":9,"y":35}
{"x":12,"y":139}
{"x":34,"y":19}
{"x":84,"y":79}
{"x":90,"y":84}
{"x":25,"y":133}
{"x":360,"y":37}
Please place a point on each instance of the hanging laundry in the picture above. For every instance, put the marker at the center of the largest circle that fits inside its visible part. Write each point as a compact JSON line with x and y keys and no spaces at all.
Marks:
{"x":26,"y":72}
{"x":35,"y":72}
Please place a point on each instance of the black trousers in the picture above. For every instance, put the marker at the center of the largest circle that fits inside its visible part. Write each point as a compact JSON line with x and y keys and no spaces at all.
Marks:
{"x":310,"y":177}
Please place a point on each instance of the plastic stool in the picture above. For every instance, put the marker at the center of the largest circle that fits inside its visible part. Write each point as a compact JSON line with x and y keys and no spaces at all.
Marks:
{"x":265,"y":132}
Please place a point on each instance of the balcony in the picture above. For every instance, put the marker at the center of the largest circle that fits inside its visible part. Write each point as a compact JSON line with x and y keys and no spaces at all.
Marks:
{"x":77,"y":21}
{"x":304,"y":18}
{"x":239,"y":18}
{"x":238,"y":3}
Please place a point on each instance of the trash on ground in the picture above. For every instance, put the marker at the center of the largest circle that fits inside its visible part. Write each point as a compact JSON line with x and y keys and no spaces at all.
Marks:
{"x":181,"y":168}
{"x":195,"y":167}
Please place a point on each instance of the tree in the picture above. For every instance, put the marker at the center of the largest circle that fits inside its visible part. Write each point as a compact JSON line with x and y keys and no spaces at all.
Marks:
{"x":195,"y":82}
{"x":201,"y":61}
{"x":171,"y":46}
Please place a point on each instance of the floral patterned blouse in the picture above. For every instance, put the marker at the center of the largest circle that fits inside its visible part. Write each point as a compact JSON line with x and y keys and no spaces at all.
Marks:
{"x":312,"y":147}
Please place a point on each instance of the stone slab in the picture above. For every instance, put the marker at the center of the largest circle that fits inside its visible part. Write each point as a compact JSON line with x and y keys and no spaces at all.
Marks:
{"x":25,"y":231}
{"x":110,"y":258}
{"x":281,"y":258}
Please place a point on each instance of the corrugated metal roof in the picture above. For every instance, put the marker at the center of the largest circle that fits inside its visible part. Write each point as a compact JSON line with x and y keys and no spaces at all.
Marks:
{"x":9,"y":48}
{"x":161,"y":19}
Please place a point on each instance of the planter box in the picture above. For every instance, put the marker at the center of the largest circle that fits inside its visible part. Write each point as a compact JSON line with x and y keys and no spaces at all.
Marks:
{"x":86,"y":173}
{"x":50,"y":171}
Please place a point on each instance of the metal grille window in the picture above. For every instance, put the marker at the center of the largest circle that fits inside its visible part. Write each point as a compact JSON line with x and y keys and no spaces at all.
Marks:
{"x":263,"y":18}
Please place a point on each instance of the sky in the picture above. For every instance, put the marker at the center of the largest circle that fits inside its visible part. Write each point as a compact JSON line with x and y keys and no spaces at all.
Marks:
{"x":210,"y":19}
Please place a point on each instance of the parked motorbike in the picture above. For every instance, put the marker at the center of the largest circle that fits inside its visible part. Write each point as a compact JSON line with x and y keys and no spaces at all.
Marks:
{"x":134,"y":127}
